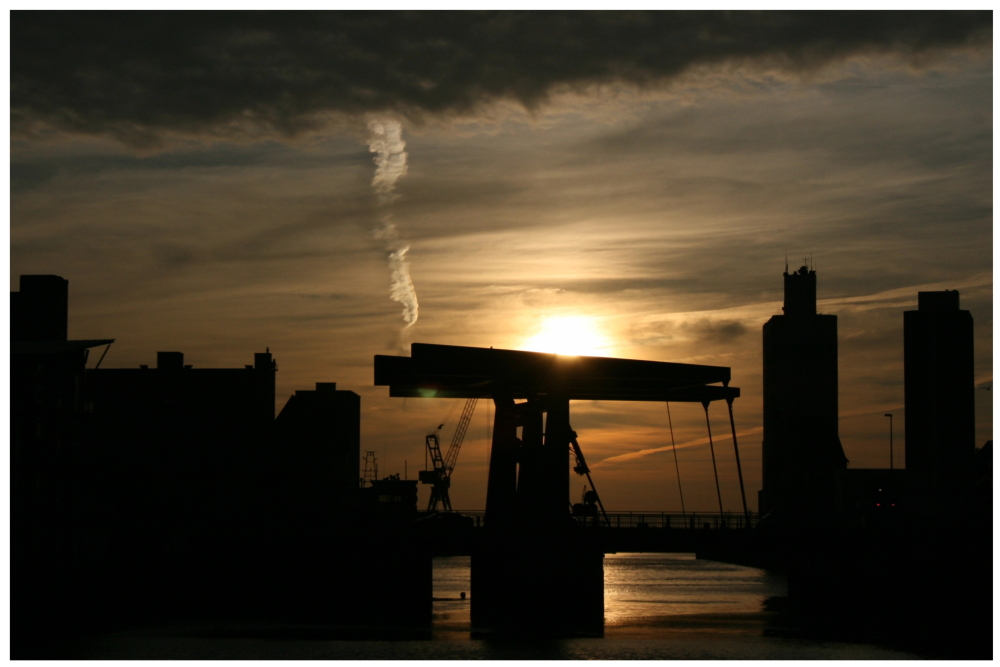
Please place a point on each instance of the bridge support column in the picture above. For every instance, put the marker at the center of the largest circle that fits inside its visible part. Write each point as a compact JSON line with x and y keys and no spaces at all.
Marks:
{"x":538,"y":573}
{"x":557,"y":439}
{"x":531,"y":481}
{"x":501,"y":487}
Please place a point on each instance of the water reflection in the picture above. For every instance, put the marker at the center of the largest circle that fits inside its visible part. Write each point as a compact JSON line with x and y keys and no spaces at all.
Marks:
{"x":657,"y":607}
{"x":452,"y":577}
{"x":640,"y":587}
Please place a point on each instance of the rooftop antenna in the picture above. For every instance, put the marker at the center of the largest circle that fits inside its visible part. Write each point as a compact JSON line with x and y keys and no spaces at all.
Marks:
{"x":786,"y":262}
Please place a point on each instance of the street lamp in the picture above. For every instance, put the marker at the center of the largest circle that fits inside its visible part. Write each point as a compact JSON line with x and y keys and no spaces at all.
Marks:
{"x":889,"y":415}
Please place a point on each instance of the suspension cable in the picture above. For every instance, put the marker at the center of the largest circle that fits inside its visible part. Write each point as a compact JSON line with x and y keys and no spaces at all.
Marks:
{"x":673,"y":446}
{"x":739,"y":468}
{"x":715,"y":469}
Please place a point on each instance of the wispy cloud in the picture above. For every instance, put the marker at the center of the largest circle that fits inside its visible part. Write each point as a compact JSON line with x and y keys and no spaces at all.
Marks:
{"x":903,"y":296}
{"x":386,"y":141}
{"x":698,"y":442}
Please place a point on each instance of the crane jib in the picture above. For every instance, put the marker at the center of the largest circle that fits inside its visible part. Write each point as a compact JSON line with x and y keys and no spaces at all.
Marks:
{"x":440,"y":476}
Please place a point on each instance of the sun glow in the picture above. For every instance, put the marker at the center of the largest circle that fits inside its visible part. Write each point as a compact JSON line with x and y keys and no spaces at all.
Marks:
{"x":568,"y":335}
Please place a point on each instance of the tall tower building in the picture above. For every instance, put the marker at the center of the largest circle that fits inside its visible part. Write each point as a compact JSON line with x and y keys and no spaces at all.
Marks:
{"x":940,"y":393}
{"x":801,"y":448}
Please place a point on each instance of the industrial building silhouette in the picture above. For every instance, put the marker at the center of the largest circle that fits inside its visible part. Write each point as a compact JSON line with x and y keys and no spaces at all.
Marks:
{"x":806,"y":477}
{"x":50,"y":490}
{"x":884,"y":552}
{"x":940,"y":396}
{"x":173,"y":493}
{"x":315,"y":457}
{"x":801,"y":450}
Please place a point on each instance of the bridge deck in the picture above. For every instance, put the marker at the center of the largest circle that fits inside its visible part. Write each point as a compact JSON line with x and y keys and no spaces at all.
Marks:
{"x":450,"y":371}
{"x":643,"y":520}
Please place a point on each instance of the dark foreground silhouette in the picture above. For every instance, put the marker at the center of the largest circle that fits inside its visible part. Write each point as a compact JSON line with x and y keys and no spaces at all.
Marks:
{"x":173,"y":496}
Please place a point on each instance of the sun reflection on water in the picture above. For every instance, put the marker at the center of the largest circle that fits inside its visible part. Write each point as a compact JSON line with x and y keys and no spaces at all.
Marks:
{"x":642,"y":586}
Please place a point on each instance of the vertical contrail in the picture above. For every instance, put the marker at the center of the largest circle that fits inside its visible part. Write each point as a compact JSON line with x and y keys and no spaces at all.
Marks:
{"x":386,"y":141}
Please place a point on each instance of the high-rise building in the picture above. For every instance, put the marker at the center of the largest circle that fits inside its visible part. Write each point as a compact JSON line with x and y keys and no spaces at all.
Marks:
{"x":939,"y":393}
{"x":50,"y":516}
{"x":801,"y":449}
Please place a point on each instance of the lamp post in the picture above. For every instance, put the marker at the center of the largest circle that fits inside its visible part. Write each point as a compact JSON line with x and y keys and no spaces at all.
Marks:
{"x":889,"y":415}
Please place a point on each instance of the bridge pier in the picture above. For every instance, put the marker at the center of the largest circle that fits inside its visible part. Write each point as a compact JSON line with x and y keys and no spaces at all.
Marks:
{"x":536,"y":583}
{"x":534,"y":570}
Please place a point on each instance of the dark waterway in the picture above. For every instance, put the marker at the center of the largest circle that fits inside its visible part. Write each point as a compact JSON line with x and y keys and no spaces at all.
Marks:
{"x":657,"y":606}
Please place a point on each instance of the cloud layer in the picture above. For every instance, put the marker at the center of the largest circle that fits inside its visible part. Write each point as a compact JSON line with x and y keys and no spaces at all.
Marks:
{"x":137,"y":75}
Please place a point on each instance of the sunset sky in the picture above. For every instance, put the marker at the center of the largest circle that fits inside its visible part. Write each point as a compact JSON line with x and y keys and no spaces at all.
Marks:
{"x":614,"y":184}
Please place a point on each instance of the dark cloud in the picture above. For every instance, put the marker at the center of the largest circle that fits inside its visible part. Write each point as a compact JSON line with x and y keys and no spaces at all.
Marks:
{"x":717,"y":331}
{"x":26,"y":176}
{"x":703,"y":331}
{"x":134,"y":75}
{"x":30,"y":170}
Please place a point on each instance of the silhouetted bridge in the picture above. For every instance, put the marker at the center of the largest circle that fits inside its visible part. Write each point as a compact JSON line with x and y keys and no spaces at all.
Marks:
{"x":649,"y":519}
{"x":525,"y":544}
{"x":709,"y":535}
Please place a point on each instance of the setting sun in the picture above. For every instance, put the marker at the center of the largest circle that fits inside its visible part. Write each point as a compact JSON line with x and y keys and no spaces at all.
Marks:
{"x":568,"y":335}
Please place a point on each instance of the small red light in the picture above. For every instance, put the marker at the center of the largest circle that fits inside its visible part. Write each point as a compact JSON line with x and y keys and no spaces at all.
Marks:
{"x":878,"y":504}
{"x":894,"y":504}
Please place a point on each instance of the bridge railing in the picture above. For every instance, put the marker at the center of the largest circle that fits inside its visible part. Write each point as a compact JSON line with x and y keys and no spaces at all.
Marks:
{"x":661,"y":520}
{"x":678,"y":520}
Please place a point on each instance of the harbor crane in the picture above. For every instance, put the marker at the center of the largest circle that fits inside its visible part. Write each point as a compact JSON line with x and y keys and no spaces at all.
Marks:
{"x":440,"y":475}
